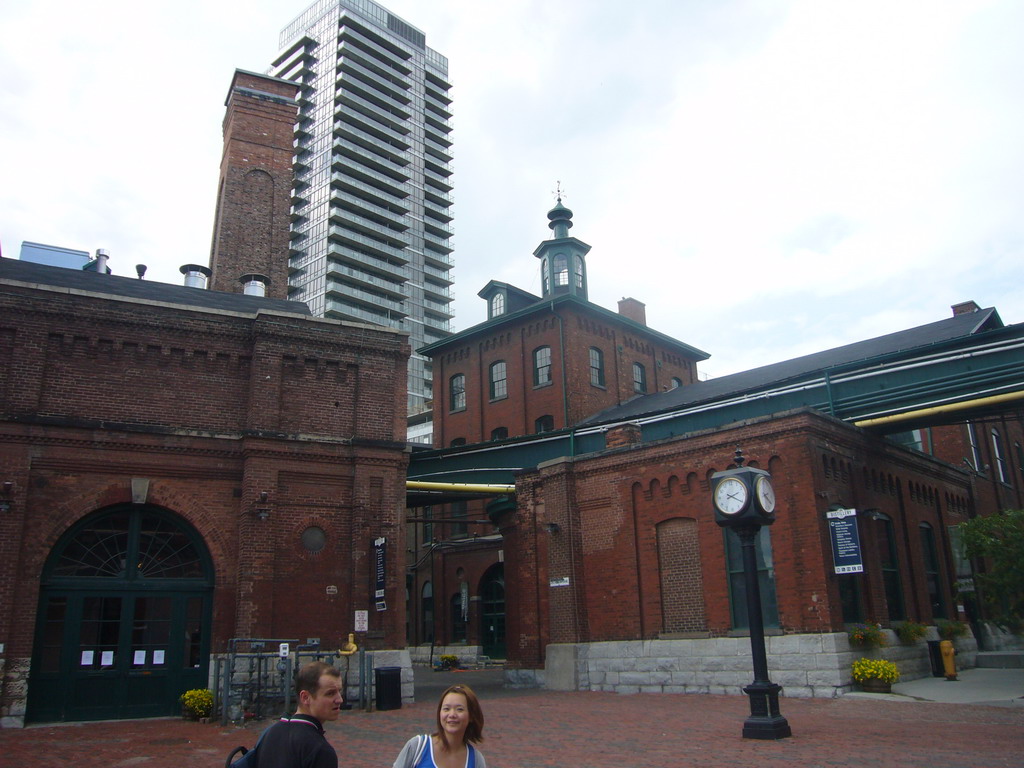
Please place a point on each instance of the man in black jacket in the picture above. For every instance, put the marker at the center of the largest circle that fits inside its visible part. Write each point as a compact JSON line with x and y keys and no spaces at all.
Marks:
{"x":298,"y":741}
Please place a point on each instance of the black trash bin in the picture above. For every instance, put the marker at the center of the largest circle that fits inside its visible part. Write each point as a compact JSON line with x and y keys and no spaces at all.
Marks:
{"x":389,"y":687}
{"x":935,"y":656}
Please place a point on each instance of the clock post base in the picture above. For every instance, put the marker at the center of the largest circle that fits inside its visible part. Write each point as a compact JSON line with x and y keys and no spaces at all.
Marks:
{"x":765,"y":721}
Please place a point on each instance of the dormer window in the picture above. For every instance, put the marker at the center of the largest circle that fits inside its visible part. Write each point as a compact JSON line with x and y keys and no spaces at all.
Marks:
{"x":497,"y":304}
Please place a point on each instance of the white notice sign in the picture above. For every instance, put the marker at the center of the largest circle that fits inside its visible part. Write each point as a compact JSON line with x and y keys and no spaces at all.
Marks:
{"x":362,"y":621}
{"x":107,"y":659}
{"x":139,"y":660}
{"x":158,"y":658}
{"x":87,"y":657}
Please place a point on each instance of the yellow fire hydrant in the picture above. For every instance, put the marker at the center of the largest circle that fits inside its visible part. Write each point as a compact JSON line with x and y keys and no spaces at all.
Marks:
{"x":948,"y":664}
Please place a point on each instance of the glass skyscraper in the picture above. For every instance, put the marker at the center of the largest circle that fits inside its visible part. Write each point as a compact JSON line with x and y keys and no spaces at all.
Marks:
{"x":371,"y":208}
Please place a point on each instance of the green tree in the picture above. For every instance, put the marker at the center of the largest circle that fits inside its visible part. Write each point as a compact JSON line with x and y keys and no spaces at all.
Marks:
{"x":999,"y":541}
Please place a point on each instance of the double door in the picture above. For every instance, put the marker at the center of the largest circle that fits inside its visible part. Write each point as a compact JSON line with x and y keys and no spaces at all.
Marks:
{"x":117,"y":654}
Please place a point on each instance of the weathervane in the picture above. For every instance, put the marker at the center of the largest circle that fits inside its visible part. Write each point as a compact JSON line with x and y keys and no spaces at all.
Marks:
{"x":559,"y":192}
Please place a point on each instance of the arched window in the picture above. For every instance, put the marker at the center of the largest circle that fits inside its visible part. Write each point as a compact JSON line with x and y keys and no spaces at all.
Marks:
{"x":639,"y":379}
{"x":497,"y":304}
{"x":561,"y":270}
{"x":676,"y":383}
{"x":890,"y":567}
{"x":596,"y":367}
{"x":545,"y":423}
{"x":578,"y":271}
{"x":541,"y":366}
{"x":545,"y":278}
{"x":457,"y":441}
{"x":499,"y":433}
{"x":932,"y":576}
{"x":499,"y":384}
{"x":457,"y":392}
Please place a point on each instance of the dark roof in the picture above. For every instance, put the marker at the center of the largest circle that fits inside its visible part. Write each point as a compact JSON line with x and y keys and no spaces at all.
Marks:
{"x":143,"y":290}
{"x":798,"y":368}
{"x":546,"y":304}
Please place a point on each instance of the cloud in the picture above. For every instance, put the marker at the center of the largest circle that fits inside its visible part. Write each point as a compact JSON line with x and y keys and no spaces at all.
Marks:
{"x":770,"y":177}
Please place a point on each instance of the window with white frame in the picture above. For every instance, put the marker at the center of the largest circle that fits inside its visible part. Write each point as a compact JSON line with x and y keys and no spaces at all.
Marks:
{"x":541,"y":366}
{"x":457,"y":392}
{"x":596,"y":367}
{"x":498,"y":380}
{"x":639,"y":379}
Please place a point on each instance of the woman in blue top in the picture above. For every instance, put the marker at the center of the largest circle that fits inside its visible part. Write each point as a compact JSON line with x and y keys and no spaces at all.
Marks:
{"x":460,"y":724}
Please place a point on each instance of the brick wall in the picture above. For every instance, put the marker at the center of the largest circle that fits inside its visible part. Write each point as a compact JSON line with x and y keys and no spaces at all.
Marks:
{"x":570,"y":331}
{"x":645,"y":560}
{"x":213,"y":409}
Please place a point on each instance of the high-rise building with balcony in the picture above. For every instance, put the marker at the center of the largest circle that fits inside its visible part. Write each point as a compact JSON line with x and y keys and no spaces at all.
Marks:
{"x":371,"y":208}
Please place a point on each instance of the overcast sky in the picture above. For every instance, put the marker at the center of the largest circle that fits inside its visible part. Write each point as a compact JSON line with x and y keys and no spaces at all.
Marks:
{"x":772,"y":178}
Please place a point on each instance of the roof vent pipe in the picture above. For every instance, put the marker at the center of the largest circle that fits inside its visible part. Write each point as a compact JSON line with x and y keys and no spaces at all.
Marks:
{"x":254,"y":284}
{"x":101,"y":261}
{"x":195,"y":275}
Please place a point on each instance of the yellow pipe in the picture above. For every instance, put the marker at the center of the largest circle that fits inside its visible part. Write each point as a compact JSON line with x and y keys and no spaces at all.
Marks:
{"x":417,"y":485}
{"x":948,"y":408}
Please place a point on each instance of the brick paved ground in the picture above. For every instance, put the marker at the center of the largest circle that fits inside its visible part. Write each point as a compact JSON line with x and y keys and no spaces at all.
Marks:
{"x":537,"y":729}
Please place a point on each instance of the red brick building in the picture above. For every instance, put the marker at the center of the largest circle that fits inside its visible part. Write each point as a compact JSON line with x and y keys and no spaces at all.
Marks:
{"x":181,"y":467}
{"x":538,"y":364}
{"x":614,"y":574}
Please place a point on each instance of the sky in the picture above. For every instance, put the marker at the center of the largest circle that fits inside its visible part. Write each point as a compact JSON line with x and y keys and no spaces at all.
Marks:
{"x":771,"y":178}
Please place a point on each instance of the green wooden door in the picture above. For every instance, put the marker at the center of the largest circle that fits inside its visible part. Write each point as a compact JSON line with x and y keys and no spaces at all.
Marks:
{"x":123,"y":626}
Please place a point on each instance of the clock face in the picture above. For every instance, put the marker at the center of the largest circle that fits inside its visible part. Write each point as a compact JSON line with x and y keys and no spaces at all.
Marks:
{"x":730,"y":496}
{"x":765,"y":494}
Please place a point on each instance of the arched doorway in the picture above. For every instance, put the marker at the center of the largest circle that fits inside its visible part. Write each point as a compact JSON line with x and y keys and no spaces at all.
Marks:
{"x":123,"y":627}
{"x":492,"y":612}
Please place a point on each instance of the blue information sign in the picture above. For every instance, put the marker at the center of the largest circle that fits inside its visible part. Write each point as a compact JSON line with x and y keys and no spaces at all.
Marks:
{"x":380,"y":572}
{"x":842,"y":529}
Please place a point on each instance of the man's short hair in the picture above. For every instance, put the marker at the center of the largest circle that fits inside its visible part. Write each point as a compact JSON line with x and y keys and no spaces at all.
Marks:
{"x":308,"y":678}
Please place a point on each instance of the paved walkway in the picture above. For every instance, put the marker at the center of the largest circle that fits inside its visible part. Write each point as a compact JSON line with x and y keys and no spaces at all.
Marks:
{"x":538,"y":729}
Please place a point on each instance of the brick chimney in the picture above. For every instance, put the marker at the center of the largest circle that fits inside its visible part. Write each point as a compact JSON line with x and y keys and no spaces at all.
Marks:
{"x":965,"y":307}
{"x":634,"y":310}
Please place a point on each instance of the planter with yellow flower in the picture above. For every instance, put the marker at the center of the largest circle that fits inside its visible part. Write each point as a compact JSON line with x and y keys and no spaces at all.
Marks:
{"x":197,"y":703}
{"x":875,"y":675}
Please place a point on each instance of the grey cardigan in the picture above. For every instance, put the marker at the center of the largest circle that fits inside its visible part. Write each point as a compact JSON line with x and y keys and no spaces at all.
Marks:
{"x":414,"y":748}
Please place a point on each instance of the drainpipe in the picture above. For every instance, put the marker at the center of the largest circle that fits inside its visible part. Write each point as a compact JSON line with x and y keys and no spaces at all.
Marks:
{"x":561,"y":352}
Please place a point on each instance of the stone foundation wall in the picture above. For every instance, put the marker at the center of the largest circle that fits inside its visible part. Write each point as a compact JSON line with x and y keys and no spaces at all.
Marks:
{"x":14,"y":674}
{"x":804,"y":665}
{"x":469,"y":655}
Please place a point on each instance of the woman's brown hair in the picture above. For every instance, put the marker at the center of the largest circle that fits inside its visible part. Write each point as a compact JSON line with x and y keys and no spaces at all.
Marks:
{"x":475,"y":729}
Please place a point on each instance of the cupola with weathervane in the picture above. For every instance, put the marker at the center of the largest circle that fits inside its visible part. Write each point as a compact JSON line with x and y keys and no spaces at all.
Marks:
{"x":563,"y":265}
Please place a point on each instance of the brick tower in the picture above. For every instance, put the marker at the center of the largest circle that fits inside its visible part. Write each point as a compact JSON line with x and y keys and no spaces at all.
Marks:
{"x":251,"y":227}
